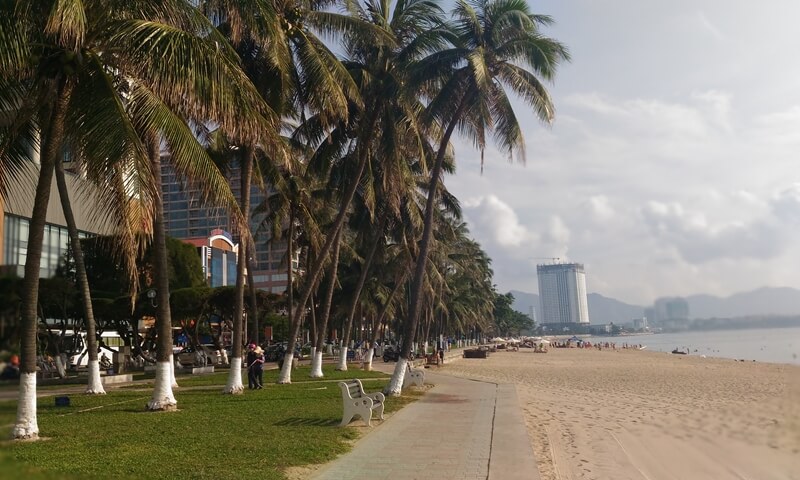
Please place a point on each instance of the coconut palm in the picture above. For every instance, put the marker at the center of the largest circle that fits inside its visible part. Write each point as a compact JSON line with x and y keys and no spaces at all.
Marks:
{"x":467,"y":82}
{"x":89,"y":67}
{"x":47,"y":46}
{"x":294,"y":71}
{"x":379,"y":64}
{"x":94,"y":385}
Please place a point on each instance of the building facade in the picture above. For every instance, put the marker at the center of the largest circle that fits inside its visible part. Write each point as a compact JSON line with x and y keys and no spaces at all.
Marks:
{"x":15,"y":216}
{"x":562,"y":293}
{"x":218,"y":255}
{"x":186,"y":218}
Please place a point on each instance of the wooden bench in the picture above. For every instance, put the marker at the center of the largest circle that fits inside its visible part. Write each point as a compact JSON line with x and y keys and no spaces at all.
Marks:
{"x":357,"y":402}
{"x":417,"y":377}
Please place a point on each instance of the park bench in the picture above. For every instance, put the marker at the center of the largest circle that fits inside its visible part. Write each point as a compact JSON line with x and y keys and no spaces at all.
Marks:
{"x":357,"y":402}
{"x":413,"y":376}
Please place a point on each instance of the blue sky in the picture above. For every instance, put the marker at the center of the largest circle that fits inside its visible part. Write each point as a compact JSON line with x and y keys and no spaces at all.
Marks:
{"x":672,"y":166}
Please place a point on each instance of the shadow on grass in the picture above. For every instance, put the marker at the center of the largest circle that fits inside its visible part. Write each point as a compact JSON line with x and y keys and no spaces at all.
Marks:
{"x":309,"y":422}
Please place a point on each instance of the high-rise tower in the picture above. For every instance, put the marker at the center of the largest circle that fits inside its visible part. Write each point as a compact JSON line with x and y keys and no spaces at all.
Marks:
{"x":186,"y":218}
{"x":562,"y":293}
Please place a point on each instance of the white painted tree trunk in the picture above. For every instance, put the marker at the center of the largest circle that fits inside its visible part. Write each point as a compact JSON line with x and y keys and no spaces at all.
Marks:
{"x":163,"y":399}
{"x":395,"y":386}
{"x":62,"y":371}
{"x":172,"y":362}
{"x":234,"y":385}
{"x":26,"y":426}
{"x":286,"y":372}
{"x":342,"y":364}
{"x":368,"y":359}
{"x":425,"y":348}
{"x":95,"y":385}
{"x":316,"y":366}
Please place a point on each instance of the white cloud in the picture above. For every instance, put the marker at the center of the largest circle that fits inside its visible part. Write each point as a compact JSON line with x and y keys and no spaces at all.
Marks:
{"x":786,"y":204}
{"x":600,"y":208}
{"x":698,"y":241}
{"x":672,"y":163}
{"x":496,"y":221}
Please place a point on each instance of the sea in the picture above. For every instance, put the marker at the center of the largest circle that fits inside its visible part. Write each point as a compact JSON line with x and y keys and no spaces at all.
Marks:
{"x":772,"y":345}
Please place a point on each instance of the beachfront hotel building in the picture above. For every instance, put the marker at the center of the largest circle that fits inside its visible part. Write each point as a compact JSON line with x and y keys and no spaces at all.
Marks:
{"x":218,"y":255}
{"x":187,"y":219}
{"x":562,"y":293}
{"x":15,"y":216}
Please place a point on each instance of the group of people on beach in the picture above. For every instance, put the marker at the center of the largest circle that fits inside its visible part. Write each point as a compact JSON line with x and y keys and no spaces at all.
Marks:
{"x":598,"y":345}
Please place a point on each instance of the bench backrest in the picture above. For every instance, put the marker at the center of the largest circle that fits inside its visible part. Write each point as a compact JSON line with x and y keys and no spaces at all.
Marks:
{"x":352,"y":388}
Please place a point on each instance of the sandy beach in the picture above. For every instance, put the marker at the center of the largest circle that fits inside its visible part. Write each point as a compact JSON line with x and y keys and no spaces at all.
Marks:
{"x":629,"y":414}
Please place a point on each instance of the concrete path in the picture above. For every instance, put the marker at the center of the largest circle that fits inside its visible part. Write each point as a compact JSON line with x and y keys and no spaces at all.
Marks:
{"x":461,"y":429}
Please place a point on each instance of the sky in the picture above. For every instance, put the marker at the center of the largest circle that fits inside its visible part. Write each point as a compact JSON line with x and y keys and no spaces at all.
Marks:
{"x":672,"y":165}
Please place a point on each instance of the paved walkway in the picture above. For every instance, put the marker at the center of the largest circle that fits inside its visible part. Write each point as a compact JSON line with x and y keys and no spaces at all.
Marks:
{"x":461,"y":429}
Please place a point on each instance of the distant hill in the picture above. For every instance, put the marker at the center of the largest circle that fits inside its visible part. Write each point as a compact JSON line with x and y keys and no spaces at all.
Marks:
{"x":763,"y":301}
{"x":760,"y":302}
{"x":523,"y":302}
{"x":602,"y":310}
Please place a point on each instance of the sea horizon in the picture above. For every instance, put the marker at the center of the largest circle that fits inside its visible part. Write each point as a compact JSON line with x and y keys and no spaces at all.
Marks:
{"x":771,"y":345}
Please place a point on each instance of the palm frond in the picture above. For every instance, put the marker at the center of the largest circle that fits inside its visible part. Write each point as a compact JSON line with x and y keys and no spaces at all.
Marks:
{"x":67,"y":24}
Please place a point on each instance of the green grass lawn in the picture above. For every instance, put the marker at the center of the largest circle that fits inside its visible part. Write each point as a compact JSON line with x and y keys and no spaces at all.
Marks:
{"x":212,"y":435}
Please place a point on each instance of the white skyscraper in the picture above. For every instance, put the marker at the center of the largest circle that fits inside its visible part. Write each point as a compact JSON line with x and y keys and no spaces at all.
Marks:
{"x":562,"y":293}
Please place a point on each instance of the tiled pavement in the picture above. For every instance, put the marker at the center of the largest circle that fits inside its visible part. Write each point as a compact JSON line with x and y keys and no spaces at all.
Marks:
{"x":461,"y":429}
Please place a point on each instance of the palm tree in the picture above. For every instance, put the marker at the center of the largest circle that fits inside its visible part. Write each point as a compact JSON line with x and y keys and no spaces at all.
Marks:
{"x":254,"y":127}
{"x":94,"y":386}
{"x":92,"y":65}
{"x":467,"y":88}
{"x":46,"y":49}
{"x":292,"y":68}
{"x":379,"y":65}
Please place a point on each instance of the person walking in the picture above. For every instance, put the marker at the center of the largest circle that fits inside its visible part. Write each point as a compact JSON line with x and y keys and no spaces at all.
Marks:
{"x":251,"y":360}
{"x":258,"y":368}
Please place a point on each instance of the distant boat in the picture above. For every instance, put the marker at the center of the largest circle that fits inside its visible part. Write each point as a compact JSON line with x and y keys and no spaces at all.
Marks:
{"x":678,"y":352}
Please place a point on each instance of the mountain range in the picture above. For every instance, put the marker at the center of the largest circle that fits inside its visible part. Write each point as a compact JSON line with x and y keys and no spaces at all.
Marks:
{"x":604,"y":310}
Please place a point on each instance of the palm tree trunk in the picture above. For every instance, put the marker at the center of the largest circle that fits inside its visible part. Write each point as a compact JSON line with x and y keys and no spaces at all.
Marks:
{"x":235,"y":385}
{"x":94,"y":385}
{"x":362,"y":279}
{"x":26,"y":426}
{"x":163,"y":398}
{"x":377,"y":329}
{"x":325,"y":310}
{"x":396,"y":383}
{"x":289,"y":267}
{"x":347,"y":198}
{"x":252,"y":315}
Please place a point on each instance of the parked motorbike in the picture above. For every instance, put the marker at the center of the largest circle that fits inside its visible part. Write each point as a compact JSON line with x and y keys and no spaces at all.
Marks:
{"x":393,"y":355}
